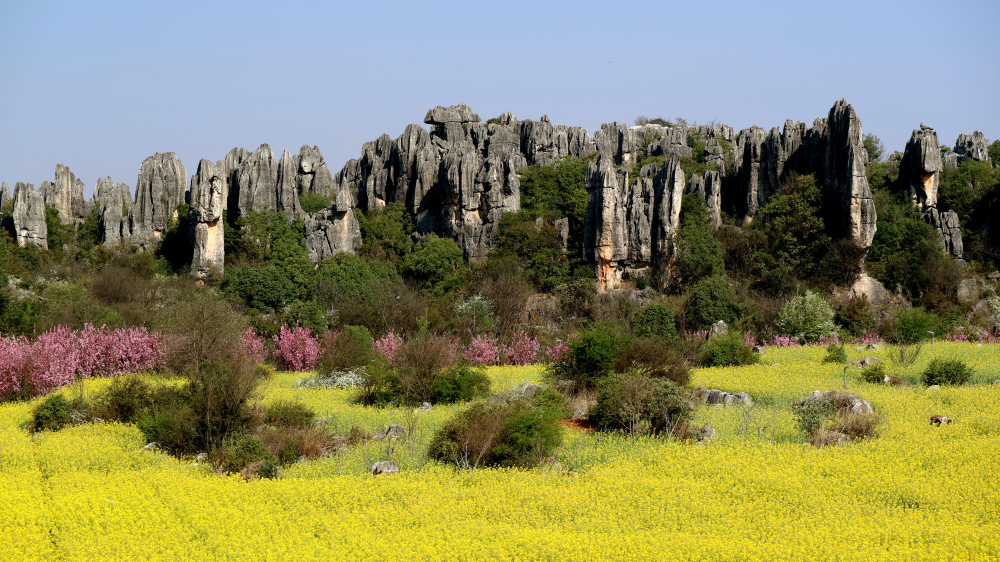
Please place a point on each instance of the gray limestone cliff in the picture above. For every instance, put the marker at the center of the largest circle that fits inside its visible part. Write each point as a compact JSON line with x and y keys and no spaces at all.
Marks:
{"x":29,"y":216}
{"x":972,"y":147}
{"x":205,"y":220}
{"x":919,"y":169}
{"x":160,"y":188}
{"x":113,"y":203}
{"x":845,"y":178}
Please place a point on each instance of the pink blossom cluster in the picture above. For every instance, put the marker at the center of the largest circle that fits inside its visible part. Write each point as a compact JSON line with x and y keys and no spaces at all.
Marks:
{"x":558,"y":353}
{"x":695,"y":335}
{"x":389,"y":346}
{"x":483,"y":350}
{"x":296,"y":349}
{"x":749,"y":339}
{"x":523,"y":350}
{"x":60,"y":356}
{"x":253,"y":345}
{"x":868,"y":338}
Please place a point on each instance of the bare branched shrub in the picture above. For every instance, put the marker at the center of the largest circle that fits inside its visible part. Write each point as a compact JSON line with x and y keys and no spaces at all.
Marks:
{"x":421,"y":361}
{"x":504,"y":286}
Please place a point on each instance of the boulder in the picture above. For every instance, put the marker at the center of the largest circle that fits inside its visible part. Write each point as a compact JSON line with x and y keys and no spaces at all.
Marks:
{"x":395,"y":431}
{"x":384,"y":467}
{"x":29,"y":216}
{"x":707,"y":432}
{"x":720,"y":328}
{"x":872,"y":289}
{"x":205,"y":219}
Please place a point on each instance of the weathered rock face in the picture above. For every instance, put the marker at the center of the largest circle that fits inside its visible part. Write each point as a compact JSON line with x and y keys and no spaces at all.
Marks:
{"x":313,"y":176}
{"x":66,"y":195}
{"x":845,"y":177}
{"x":331,"y":231}
{"x":709,"y":188}
{"x":461,"y":177}
{"x":205,"y":219}
{"x":949,"y":230}
{"x":256,"y":183}
{"x":113,"y":203}
{"x":755,"y":184}
{"x":29,"y":216}
{"x":630,"y":226}
{"x":921,"y":165}
{"x":161,"y":187}
{"x":972,"y":146}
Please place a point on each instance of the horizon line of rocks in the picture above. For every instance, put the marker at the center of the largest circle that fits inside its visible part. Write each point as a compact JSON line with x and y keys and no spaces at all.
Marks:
{"x":460,"y":177}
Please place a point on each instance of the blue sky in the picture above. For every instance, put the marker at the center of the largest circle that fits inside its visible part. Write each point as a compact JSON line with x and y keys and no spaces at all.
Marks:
{"x":99,"y":86}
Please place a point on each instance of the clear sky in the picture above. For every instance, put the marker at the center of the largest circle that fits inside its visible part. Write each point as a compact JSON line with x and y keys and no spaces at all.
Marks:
{"x":99,"y":86}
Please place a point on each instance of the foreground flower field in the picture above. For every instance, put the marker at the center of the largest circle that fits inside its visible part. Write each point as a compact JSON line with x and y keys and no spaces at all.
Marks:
{"x":757,"y":492}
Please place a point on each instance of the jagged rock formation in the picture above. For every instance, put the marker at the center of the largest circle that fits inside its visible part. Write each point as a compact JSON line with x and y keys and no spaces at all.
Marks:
{"x":709,"y":188}
{"x":629,"y":227}
{"x":160,"y":188}
{"x":458,"y":179}
{"x":921,"y":165}
{"x":845,"y":177}
{"x":29,"y":216}
{"x":949,"y":230}
{"x":113,"y":203}
{"x":205,"y":219}
{"x":66,"y":196}
{"x":972,"y":146}
{"x":331,"y":231}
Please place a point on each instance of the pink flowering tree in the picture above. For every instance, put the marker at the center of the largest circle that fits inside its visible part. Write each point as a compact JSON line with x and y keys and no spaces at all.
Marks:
{"x":296,"y":349}
{"x":388,"y":346}
{"x":253,"y":345}
{"x":483,"y":350}
{"x":523,"y":350}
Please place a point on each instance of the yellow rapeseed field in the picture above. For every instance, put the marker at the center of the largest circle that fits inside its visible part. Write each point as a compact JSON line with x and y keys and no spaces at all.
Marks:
{"x":757,"y":492}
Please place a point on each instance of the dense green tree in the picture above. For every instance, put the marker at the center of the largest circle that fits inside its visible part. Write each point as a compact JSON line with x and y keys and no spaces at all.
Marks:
{"x":386,"y":233}
{"x":436,"y":263}
{"x":560,"y":189}
{"x":699,"y":254}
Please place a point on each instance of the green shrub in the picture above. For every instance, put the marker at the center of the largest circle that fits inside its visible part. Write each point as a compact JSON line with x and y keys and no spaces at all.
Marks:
{"x":639,"y":404}
{"x":946,"y":371}
{"x":712,"y":299}
{"x":808,"y":315}
{"x":831,"y":417}
{"x":436,"y":263}
{"x":726,"y":350}
{"x":125,"y":399}
{"x":385,"y":233}
{"x":654,"y":320}
{"x":699,"y":254}
{"x":460,"y":383}
{"x":290,"y":414}
{"x":835,"y":354}
{"x":350,"y":348}
{"x":874,"y":374}
{"x":914,"y":325}
{"x":240,"y":450}
{"x":655,"y":357}
{"x":592,"y":355}
{"x":52,"y":414}
{"x":517,"y":429}
{"x":855,"y":316}
{"x":314,"y":202}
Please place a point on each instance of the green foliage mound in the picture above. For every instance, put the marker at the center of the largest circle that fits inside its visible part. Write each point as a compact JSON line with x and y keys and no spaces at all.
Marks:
{"x":946,"y":372}
{"x":640,"y":404}
{"x":517,"y":429}
{"x":726,"y":350}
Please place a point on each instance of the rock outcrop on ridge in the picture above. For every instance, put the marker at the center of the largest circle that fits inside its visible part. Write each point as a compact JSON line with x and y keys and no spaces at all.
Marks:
{"x":160,"y":188}
{"x":29,"y":216}
{"x":113,"y":204}
{"x":205,"y":220}
{"x":920,"y":168}
{"x":461,"y":176}
{"x":972,"y":147}
{"x":457,"y":176}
